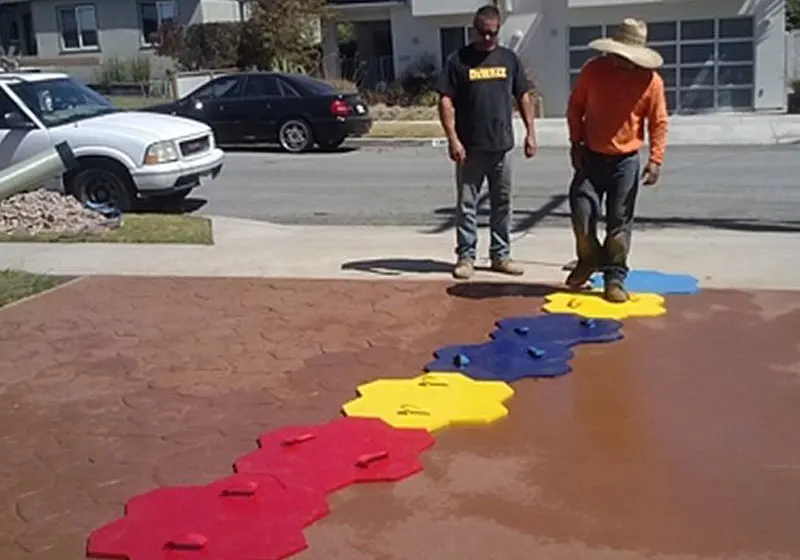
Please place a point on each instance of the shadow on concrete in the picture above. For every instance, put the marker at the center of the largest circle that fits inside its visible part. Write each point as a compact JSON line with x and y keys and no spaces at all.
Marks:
{"x":523,"y":219}
{"x":396,"y":267}
{"x":488,"y":290}
{"x":268,"y":149}
{"x":731,"y":224}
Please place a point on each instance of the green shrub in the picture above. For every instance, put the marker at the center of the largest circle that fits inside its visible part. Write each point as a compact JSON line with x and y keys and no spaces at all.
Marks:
{"x":343,"y":86}
{"x":113,"y":70}
{"x":141,"y":70}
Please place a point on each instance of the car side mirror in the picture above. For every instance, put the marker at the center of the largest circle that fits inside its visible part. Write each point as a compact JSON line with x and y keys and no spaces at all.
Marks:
{"x":16,"y":121}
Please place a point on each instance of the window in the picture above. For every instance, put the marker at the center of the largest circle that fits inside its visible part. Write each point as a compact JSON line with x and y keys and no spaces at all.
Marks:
{"x":451,"y":39}
{"x":697,"y":29}
{"x":218,"y":88}
{"x":61,"y":101}
{"x":310,"y":85}
{"x":152,"y":15}
{"x":287,"y":90}
{"x":262,"y":86}
{"x":709,"y":64}
{"x":736,"y":28}
{"x":582,"y":36}
{"x":78,"y":25}
{"x":9,"y":112}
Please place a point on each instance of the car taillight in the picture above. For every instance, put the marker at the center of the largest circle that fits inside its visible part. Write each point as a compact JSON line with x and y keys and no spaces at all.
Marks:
{"x":339,"y":108}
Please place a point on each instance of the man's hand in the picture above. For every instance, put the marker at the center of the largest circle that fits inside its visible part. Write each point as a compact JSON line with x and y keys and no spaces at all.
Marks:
{"x":577,"y":155}
{"x":530,"y":146}
{"x":456,"y":150}
{"x":650,"y":174}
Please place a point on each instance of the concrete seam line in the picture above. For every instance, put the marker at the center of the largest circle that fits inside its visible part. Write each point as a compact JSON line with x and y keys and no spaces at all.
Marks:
{"x":44,"y":292}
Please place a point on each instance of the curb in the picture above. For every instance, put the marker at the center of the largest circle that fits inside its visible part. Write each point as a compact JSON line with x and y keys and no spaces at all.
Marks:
{"x":397,"y":142}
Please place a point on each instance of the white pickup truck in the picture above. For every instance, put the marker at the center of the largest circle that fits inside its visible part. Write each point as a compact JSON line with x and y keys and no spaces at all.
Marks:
{"x":124,"y":155}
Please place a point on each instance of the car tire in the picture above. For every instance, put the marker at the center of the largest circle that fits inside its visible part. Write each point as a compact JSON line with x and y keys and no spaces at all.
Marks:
{"x":331,"y":145}
{"x":102,"y":183}
{"x":295,"y":136}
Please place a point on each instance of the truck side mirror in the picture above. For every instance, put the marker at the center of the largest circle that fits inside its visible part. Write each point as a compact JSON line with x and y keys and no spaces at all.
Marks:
{"x":15,"y":120}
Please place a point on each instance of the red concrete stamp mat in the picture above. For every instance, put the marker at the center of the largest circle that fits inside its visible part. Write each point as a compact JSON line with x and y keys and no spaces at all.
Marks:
{"x":679,"y":441}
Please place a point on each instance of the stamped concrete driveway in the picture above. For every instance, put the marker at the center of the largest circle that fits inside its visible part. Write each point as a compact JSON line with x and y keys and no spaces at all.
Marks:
{"x":680,"y":441}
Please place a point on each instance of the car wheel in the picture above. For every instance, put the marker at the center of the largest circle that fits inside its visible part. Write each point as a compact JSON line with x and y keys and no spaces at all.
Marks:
{"x":295,"y":136}
{"x":331,"y":145}
{"x":102,"y":183}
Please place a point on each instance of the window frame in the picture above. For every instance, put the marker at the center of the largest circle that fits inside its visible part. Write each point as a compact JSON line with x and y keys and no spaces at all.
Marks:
{"x":233,"y":94}
{"x":14,"y":107}
{"x":714,"y":65}
{"x":75,"y":8}
{"x":255,"y":78}
{"x":467,"y":29}
{"x":144,"y":42}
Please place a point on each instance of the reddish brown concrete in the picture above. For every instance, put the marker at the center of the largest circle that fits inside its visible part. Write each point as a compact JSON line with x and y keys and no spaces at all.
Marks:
{"x":680,"y":441}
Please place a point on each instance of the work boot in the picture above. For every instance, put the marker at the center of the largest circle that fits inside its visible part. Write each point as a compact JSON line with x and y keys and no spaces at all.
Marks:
{"x":464,"y":269}
{"x":615,"y":292}
{"x":507,"y":266}
{"x":580,"y":275}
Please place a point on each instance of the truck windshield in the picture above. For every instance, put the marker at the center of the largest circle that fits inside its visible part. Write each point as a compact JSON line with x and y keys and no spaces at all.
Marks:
{"x":62,"y":100}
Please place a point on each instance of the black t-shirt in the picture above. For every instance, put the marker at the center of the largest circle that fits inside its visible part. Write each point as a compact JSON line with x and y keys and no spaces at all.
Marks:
{"x":483,"y":85}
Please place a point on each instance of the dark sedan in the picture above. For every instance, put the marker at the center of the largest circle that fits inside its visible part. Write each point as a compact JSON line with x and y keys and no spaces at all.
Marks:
{"x":291,"y":110}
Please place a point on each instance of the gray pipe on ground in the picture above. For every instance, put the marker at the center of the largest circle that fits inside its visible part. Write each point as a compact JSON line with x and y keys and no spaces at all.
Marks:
{"x":32,"y":172}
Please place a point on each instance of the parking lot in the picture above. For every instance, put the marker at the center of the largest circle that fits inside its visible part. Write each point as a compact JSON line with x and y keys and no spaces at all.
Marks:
{"x":739,"y":188}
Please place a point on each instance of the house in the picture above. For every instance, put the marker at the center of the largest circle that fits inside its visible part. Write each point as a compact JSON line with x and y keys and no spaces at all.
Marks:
{"x":77,"y":35}
{"x":720,"y":55}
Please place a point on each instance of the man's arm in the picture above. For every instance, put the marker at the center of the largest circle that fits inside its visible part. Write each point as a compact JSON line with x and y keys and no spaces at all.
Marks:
{"x":576,"y":108}
{"x":447,"y":116}
{"x":447,"y":86}
{"x":657,"y":121}
{"x":522,"y":92}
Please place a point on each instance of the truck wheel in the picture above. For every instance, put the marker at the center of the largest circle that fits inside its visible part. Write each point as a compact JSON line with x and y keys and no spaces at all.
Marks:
{"x":102,"y":183}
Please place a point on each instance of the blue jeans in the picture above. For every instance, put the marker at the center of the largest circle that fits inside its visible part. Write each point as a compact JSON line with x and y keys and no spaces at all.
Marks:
{"x":495,"y":167}
{"x":615,"y":179}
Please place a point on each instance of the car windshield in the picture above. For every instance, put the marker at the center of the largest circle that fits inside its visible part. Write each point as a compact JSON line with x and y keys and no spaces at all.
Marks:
{"x":62,"y":100}
{"x":315,"y":87}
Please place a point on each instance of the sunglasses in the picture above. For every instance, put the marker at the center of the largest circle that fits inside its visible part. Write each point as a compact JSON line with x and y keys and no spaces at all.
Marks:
{"x":486,"y":32}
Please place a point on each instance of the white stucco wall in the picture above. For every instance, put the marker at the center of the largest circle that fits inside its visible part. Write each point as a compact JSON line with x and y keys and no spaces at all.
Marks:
{"x":416,"y":37}
{"x":540,"y":27}
{"x":543,"y":26}
{"x":770,"y":81}
{"x":542,"y":47}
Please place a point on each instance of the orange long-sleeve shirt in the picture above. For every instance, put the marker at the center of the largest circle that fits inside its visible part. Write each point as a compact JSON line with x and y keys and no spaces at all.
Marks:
{"x":609,"y":105}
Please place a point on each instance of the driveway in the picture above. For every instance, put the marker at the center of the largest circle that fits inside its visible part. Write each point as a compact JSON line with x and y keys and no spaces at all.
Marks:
{"x":738,"y":188}
{"x":680,"y":441}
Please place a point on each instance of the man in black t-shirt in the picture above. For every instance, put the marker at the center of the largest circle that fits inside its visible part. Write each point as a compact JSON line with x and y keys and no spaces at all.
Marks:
{"x":477,"y":89}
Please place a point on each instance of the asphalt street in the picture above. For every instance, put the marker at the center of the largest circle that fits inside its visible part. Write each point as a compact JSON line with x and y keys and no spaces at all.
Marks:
{"x":737,"y":188}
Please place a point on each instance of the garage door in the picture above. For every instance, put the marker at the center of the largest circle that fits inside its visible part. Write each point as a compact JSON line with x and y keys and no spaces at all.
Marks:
{"x":708,"y":63}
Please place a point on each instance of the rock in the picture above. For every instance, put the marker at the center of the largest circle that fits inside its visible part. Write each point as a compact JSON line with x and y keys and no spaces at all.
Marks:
{"x":44,"y":211}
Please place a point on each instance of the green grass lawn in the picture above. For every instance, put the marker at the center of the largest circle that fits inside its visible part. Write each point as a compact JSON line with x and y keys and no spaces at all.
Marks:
{"x":135,"y":228}
{"x":15,"y":285}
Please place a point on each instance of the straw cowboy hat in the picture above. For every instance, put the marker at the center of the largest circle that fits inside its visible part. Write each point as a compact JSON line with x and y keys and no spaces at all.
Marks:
{"x":630,"y":42}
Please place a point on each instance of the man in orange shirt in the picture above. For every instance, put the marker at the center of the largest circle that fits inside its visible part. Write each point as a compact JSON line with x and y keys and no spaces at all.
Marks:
{"x":615,"y":95}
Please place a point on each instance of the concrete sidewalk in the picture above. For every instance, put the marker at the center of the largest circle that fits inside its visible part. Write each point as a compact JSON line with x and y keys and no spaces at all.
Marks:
{"x":719,"y":258}
{"x":700,"y":130}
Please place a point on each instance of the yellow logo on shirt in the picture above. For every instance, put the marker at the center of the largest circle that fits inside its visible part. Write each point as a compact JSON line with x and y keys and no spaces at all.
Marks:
{"x":488,"y":73}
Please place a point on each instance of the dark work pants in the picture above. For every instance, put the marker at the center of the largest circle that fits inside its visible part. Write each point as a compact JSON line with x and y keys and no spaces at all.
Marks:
{"x":615,"y":179}
{"x":495,"y":168}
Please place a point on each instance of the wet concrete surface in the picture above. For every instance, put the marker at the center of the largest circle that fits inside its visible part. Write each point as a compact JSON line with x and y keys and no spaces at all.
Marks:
{"x":679,"y":441}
